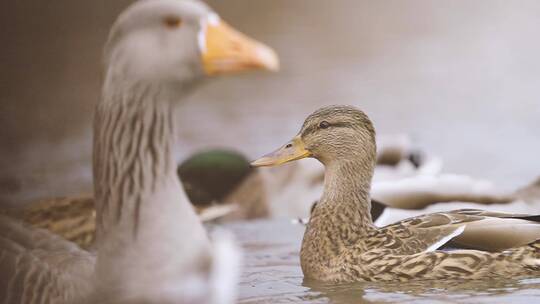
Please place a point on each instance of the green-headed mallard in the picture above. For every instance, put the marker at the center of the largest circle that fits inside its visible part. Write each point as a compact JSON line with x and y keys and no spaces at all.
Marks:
{"x":151,"y":246}
{"x":341,"y":244}
{"x":222,"y":185}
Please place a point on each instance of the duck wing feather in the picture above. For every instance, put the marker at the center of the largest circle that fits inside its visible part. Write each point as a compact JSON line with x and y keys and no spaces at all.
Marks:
{"x":482,"y":230}
{"x":38,"y":266}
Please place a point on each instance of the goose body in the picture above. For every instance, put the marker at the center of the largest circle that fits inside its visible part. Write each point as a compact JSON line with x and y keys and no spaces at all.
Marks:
{"x":151,"y":246}
{"x":341,"y":243}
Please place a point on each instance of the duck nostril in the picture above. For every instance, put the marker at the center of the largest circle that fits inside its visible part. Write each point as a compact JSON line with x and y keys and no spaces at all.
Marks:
{"x":288,"y":146}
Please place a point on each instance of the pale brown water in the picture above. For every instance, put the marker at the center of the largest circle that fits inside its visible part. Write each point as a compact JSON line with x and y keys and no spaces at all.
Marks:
{"x":272,"y":274}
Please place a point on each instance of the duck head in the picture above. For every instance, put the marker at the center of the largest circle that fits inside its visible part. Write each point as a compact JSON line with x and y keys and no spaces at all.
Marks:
{"x":333,"y":134}
{"x":179,"y":40}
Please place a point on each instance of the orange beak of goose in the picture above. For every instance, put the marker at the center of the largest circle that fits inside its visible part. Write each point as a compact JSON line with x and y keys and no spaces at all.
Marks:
{"x":293,"y":150}
{"x":224,"y":50}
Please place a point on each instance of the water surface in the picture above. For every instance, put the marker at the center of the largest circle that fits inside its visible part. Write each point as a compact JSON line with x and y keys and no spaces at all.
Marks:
{"x":272,"y":274}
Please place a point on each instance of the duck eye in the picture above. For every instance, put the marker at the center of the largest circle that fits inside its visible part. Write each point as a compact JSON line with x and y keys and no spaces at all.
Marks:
{"x":324,"y":124}
{"x":172,"y":22}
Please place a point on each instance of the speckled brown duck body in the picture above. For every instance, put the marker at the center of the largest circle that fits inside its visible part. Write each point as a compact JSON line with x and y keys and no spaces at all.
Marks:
{"x":341,"y":244}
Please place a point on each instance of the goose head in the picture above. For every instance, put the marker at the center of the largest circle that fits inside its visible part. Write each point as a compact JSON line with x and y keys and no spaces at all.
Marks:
{"x":333,"y":134}
{"x":177,"y":41}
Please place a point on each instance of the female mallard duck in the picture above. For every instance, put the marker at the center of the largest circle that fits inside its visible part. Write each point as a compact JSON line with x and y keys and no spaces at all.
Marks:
{"x":151,"y":247}
{"x":341,"y":244}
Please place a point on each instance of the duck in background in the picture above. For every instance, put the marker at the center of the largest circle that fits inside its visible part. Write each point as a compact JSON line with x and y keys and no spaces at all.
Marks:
{"x":341,"y":243}
{"x":410,"y":187}
{"x":151,"y":246}
{"x":222,"y":186}
{"x":449,"y":191}
{"x":412,"y":184}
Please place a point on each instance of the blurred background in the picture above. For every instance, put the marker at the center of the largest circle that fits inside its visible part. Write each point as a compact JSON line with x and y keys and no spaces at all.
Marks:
{"x":462,"y":78}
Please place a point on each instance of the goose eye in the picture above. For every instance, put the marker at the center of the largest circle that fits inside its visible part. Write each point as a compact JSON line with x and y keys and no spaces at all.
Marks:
{"x":324,"y":124}
{"x":172,"y":22}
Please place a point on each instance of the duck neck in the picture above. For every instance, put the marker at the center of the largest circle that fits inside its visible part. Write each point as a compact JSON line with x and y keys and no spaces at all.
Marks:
{"x":341,"y":219}
{"x":142,"y":212}
{"x":346,"y":198}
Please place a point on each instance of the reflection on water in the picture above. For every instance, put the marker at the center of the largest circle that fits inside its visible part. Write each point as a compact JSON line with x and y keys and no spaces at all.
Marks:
{"x":272,"y":274}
